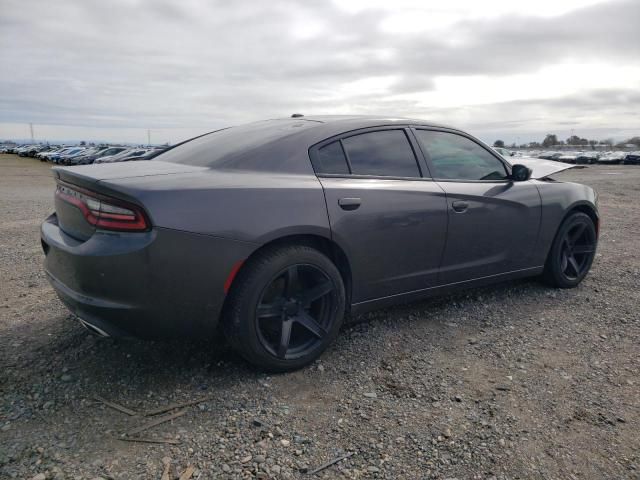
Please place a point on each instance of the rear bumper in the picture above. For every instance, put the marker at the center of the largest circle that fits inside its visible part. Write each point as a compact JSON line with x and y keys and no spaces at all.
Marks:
{"x":158,"y":284}
{"x":104,"y":317}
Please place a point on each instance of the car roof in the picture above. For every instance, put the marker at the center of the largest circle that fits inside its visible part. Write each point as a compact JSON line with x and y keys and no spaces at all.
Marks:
{"x":362,"y":121}
{"x":352,"y":118}
{"x":326,"y":126}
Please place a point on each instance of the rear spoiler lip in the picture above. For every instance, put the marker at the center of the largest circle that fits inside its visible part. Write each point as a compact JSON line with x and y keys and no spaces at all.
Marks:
{"x":119,"y":170}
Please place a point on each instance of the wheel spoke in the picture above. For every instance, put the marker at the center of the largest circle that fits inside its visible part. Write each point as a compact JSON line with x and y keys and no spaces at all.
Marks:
{"x":315,"y":293}
{"x":564,"y":261}
{"x":574,"y":264}
{"x":291,"y":281}
{"x":295,"y":311}
{"x":285,"y":337}
{"x":308,"y":322}
{"x":582,"y":249}
{"x":269,"y":310}
{"x":575,"y":236}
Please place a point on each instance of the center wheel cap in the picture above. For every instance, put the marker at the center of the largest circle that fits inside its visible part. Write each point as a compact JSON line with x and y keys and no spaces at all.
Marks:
{"x":291,"y":308}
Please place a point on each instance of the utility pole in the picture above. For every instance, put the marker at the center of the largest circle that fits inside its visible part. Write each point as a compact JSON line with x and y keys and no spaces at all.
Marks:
{"x":31,"y":130}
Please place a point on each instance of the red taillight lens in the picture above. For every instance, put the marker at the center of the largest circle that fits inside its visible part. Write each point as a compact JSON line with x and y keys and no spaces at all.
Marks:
{"x":104,"y":212}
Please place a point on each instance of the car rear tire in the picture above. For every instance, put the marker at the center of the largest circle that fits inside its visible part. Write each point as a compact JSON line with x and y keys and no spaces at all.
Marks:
{"x":572,"y":252}
{"x":285,"y":307}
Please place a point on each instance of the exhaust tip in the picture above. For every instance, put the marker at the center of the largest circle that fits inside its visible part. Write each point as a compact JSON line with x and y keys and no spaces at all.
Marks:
{"x":93,"y":329}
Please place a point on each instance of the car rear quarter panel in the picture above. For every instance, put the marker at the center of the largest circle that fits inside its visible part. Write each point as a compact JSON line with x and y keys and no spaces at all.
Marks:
{"x":254,"y":207}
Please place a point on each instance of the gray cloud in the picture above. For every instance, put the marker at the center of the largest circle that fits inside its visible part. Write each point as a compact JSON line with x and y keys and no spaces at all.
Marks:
{"x":587,"y":114}
{"x":163,"y":64}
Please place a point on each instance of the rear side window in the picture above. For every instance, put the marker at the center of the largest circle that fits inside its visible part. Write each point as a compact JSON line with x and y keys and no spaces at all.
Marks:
{"x":455,"y":157}
{"x":385,"y":153}
{"x":331,"y":159}
{"x":233,"y":147}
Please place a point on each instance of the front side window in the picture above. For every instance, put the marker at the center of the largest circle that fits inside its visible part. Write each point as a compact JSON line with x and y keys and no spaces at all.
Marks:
{"x":455,"y":157}
{"x":381,"y":153}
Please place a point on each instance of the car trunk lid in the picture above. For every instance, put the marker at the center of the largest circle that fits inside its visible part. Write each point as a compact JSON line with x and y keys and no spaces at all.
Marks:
{"x":87,"y":175}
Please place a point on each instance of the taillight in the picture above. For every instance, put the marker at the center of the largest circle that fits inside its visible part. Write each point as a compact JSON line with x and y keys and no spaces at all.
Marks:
{"x":104,"y":212}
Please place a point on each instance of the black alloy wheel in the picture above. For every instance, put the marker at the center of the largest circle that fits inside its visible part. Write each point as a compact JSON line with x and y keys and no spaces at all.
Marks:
{"x":286,"y":306}
{"x":573,"y":252}
{"x":577,"y":250}
{"x":294,"y":312}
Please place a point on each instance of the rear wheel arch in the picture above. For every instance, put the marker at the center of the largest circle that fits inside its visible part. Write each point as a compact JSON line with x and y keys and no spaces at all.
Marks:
{"x":324,"y":245}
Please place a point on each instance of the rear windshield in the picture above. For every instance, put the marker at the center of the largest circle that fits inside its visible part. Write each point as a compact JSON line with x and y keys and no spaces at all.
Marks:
{"x":223,"y":147}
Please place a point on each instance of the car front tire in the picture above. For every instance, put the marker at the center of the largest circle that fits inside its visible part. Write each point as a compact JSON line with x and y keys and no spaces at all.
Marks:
{"x":572,"y":252}
{"x":285,"y":307}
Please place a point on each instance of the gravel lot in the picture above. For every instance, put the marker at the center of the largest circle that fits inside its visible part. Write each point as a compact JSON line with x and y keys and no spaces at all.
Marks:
{"x":512,"y":381}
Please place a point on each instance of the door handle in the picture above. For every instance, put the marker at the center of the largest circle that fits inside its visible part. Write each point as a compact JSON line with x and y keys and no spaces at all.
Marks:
{"x":349,"y":203}
{"x":460,"y":206}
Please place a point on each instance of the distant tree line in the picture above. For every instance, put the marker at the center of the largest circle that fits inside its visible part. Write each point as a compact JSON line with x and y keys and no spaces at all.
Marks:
{"x":551,"y":140}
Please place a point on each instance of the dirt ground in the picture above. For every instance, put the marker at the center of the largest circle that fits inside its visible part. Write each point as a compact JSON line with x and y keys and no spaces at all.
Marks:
{"x":513,"y":381}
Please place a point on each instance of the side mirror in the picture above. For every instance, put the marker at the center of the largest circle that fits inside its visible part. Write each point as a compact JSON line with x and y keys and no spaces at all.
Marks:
{"x":520,"y":173}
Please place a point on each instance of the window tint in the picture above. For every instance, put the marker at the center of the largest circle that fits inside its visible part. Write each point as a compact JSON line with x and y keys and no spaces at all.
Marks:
{"x":457,"y":158}
{"x":386,"y":152}
{"x":331,"y":159}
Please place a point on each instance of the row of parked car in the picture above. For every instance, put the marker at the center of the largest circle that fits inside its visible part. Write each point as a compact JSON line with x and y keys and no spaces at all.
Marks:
{"x":590,"y":157}
{"x":580,"y":158}
{"x":84,"y":155}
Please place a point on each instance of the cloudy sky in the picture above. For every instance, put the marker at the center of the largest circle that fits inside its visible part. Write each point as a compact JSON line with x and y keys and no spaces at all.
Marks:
{"x":515,"y":70}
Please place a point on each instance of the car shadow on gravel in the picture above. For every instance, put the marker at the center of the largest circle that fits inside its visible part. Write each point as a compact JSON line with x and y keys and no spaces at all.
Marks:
{"x":439,"y":305}
{"x":103,"y":361}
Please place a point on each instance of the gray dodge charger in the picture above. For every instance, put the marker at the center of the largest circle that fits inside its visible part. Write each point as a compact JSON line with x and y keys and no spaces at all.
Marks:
{"x":272,"y":231}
